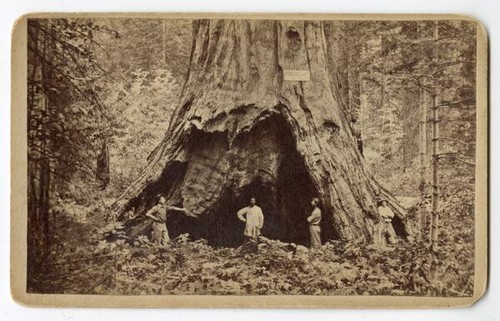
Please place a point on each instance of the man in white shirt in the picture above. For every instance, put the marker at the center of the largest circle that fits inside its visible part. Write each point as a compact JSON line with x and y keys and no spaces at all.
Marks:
{"x":254,"y":220}
{"x":386,"y":216}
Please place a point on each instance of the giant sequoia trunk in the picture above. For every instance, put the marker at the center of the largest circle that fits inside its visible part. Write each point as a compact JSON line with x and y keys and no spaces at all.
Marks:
{"x":242,"y":129}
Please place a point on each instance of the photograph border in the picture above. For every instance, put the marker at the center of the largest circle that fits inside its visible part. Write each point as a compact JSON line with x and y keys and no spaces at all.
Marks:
{"x":18,"y":264}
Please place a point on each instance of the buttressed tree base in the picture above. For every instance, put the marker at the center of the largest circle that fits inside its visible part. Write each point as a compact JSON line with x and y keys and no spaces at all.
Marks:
{"x":243,"y":128}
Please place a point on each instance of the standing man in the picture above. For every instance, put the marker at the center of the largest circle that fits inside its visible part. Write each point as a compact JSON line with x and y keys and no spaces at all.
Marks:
{"x":314,"y":219}
{"x":254,"y":220}
{"x":386,"y":216}
{"x":159,"y":215}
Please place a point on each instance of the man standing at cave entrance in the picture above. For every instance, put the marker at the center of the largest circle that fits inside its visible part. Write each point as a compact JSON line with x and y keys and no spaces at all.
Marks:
{"x":387,"y":232}
{"x":254,"y":220}
{"x":314,"y":219}
{"x":159,"y":215}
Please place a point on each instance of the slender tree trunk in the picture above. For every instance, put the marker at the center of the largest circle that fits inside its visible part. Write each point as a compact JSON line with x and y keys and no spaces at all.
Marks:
{"x":38,"y":161}
{"x":33,"y":99}
{"x":103,"y":167}
{"x":164,"y":42}
{"x":435,"y":174}
{"x":422,"y":217}
{"x":385,"y":147}
{"x":245,"y":127}
{"x":423,"y":180}
{"x":40,"y":166}
{"x":435,"y":162}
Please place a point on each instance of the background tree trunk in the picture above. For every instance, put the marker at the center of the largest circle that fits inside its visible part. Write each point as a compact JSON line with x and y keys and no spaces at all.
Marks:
{"x":241,"y":129}
{"x":411,"y":54}
{"x":435,"y":174}
{"x":435,"y":157}
{"x":423,"y":180}
{"x":39,"y":163}
{"x":102,"y":168}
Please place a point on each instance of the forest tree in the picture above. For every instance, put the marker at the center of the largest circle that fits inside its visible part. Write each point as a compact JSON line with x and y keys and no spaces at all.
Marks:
{"x":242,"y":129}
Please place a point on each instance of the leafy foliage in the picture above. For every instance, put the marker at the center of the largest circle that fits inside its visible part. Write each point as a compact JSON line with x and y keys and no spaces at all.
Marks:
{"x":148,"y":45}
{"x":402,"y":65}
{"x":82,"y":261}
{"x":141,"y":107}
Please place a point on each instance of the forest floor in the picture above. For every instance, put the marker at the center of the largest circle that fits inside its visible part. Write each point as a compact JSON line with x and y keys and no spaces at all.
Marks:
{"x":82,"y":261}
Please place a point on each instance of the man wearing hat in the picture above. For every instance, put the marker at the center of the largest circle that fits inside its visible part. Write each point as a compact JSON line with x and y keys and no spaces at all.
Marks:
{"x":159,"y":215}
{"x":386,"y":216}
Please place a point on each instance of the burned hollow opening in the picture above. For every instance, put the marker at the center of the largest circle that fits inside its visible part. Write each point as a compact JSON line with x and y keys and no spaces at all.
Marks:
{"x":276,"y":176}
{"x":399,"y":227}
{"x":167,"y":185}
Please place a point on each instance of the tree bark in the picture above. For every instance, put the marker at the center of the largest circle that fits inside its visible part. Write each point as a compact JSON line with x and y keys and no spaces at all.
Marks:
{"x":435,"y":175}
{"x":435,"y":157}
{"x":103,"y":168}
{"x":241,"y":129}
{"x":422,"y":146}
{"x":411,"y":54}
{"x":39,"y":164}
{"x":422,"y":215}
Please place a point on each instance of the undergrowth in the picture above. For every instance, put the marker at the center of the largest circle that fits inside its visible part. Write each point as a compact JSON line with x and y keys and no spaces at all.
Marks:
{"x":84,"y":262}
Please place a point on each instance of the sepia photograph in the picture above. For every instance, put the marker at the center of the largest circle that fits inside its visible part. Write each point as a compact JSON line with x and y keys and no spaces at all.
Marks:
{"x":253,"y":157}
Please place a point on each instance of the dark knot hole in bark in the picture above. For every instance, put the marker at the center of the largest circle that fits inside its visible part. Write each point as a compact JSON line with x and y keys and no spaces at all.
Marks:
{"x":294,"y":39}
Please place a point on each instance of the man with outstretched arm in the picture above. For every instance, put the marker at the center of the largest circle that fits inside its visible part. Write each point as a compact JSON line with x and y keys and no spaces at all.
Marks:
{"x":159,"y":215}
